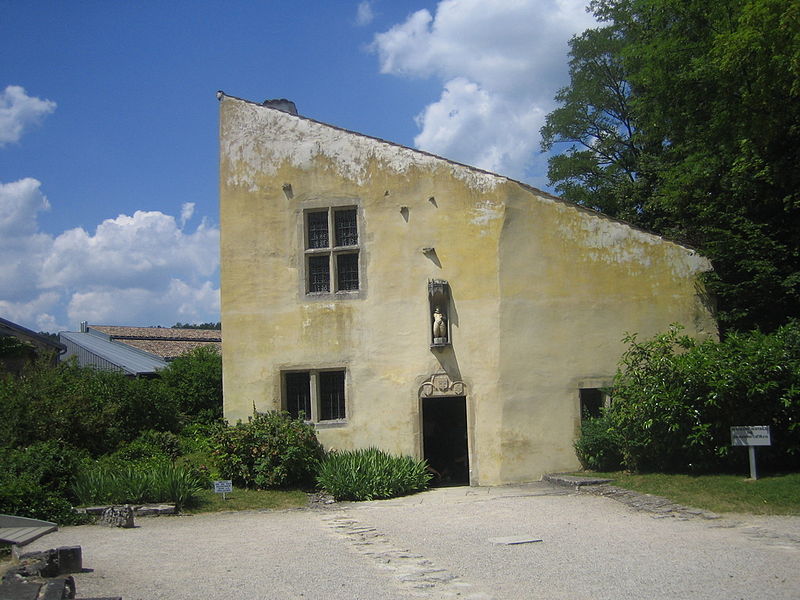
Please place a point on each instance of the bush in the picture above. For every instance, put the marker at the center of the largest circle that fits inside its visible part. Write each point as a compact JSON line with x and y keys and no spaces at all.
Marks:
{"x":35,"y":481}
{"x":270,"y":450}
{"x":194,"y":381}
{"x":675,"y":400}
{"x":371,"y":474}
{"x":150,"y":444}
{"x":598,"y":448}
{"x":83,"y":407}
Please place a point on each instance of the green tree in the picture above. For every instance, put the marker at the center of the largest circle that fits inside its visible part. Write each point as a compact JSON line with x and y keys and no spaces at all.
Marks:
{"x":708,"y":147}
{"x":675,"y":399}
{"x":194,"y":381}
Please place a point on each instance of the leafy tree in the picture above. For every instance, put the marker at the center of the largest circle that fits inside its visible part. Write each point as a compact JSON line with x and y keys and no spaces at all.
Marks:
{"x":684,"y":117}
{"x":194,"y":381}
{"x":675,"y":399}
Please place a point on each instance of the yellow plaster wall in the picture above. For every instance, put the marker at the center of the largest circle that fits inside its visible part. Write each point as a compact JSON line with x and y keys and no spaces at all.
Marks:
{"x":541,"y":293}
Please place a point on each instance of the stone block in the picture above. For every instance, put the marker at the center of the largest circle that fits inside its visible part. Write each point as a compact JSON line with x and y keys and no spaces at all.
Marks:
{"x":19,"y":590}
{"x":70,"y":559}
{"x":117,"y":516}
{"x":62,"y":588}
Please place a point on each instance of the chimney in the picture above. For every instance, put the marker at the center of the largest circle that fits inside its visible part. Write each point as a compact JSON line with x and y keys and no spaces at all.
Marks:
{"x":84,"y":326}
{"x":282,"y":104}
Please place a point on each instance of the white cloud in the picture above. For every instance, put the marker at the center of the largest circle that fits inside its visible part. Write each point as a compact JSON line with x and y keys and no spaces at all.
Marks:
{"x":132,"y":270}
{"x":19,"y":203}
{"x":364,"y":14}
{"x":179,"y":301}
{"x":18,"y":111}
{"x":500,"y":63}
{"x":187,"y":210}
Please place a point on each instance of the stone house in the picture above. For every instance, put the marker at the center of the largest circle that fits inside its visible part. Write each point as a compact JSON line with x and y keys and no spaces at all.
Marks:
{"x":401,"y":300}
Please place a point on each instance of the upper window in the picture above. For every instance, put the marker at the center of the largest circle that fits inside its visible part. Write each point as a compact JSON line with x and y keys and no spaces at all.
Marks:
{"x":331,"y":250}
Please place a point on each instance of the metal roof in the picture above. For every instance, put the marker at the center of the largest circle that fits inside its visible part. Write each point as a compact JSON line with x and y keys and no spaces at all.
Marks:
{"x":129,"y":359}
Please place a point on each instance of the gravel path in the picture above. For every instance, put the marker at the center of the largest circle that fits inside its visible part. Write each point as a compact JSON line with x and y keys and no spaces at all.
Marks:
{"x":444,"y":543}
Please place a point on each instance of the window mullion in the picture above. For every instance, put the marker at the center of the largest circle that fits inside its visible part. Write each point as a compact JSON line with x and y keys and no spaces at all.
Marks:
{"x":314,"y":381}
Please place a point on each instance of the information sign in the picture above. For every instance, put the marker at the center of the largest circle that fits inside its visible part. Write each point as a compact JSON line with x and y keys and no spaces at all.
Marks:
{"x":751,"y":436}
{"x":223,"y":487}
{"x":756,"y":435}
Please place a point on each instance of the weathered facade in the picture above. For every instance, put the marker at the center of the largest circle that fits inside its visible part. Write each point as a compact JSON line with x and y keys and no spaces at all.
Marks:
{"x":337,"y":250}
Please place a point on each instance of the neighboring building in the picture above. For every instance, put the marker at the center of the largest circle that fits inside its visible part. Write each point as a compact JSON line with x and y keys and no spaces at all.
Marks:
{"x":26,"y":347}
{"x":405,"y":301}
{"x":137,"y":351}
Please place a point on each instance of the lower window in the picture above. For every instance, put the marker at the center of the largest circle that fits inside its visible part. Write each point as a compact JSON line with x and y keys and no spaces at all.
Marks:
{"x":315,"y":395}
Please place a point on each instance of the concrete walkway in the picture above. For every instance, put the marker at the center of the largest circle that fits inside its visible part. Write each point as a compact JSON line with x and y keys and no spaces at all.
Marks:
{"x":533,"y":541}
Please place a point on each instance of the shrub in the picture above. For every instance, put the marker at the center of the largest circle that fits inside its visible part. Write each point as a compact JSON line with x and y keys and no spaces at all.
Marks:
{"x":598,"y":448}
{"x":675,"y":400}
{"x":270,"y":450}
{"x":83,"y":407}
{"x":35,"y":481}
{"x":194,"y":381}
{"x":150,"y":444}
{"x":370,"y":474}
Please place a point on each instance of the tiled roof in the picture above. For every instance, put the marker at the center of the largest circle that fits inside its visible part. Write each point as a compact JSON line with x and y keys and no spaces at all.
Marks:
{"x":153,"y":333}
{"x":166,"y":342}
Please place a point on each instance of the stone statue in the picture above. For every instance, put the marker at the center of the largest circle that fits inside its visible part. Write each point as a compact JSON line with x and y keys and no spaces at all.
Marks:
{"x":439,"y":326}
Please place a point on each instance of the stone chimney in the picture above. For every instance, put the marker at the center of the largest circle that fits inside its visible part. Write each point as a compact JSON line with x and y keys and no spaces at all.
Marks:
{"x":281,"y":104}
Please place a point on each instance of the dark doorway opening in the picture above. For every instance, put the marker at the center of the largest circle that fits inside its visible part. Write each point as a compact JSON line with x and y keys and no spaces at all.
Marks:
{"x":444,"y":438}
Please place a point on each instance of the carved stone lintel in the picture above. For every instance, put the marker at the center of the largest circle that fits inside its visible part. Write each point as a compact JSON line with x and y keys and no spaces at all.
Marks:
{"x":440,"y":384}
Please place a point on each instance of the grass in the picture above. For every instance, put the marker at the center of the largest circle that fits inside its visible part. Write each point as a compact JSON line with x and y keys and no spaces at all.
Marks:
{"x":770,"y":495}
{"x":242,"y":499}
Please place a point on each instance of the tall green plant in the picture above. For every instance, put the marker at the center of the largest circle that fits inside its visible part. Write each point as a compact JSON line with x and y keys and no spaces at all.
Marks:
{"x":370,"y":474}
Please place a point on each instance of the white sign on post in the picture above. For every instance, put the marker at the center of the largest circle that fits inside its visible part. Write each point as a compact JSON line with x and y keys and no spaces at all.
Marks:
{"x":757,"y":435}
{"x":751,"y":436}
{"x":223,"y":487}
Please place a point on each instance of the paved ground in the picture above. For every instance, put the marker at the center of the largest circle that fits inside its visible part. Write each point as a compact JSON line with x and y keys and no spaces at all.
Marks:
{"x":445,"y":543}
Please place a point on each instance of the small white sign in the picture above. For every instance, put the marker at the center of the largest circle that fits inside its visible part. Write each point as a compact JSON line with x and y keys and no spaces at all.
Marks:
{"x":755,"y":435}
{"x":223,"y":487}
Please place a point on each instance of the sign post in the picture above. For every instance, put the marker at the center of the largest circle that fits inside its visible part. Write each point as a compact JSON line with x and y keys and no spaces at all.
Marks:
{"x":751,"y":436}
{"x":223,"y":487}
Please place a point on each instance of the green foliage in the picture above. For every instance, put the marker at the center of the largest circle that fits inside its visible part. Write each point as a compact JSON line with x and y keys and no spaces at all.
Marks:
{"x":213,"y":326}
{"x":371,"y":474}
{"x":675,"y":400}
{"x":684,"y":118}
{"x":598,"y":448}
{"x":34,"y":481}
{"x":194,"y":382}
{"x":83,"y":407}
{"x":270,"y":450}
{"x":12,"y":347}
{"x":136,"y":483}
{"x":150,"y":444}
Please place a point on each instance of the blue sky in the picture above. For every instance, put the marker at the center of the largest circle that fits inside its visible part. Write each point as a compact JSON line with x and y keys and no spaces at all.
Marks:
{"x":108,"y":125}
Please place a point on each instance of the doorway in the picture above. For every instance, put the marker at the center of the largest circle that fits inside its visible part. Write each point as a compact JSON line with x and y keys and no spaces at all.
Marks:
{"x":444,"y":438}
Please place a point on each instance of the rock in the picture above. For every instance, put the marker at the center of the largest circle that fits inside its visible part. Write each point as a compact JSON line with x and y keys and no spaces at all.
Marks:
{"x":117,"y":516}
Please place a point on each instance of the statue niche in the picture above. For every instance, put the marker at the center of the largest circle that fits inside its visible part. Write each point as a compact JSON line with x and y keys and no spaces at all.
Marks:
{"x":439,"y":302}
